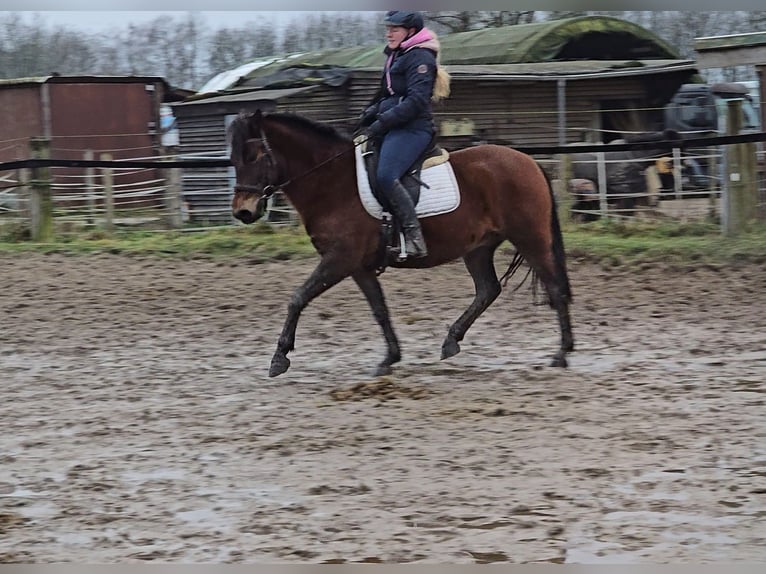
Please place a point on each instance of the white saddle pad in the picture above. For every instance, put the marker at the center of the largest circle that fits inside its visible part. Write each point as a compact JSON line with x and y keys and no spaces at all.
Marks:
{"x":441,"y":196}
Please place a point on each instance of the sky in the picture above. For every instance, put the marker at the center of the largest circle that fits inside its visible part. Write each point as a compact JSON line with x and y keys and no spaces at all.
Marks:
{"x":97,"y":15}
{"x":377,"y":5}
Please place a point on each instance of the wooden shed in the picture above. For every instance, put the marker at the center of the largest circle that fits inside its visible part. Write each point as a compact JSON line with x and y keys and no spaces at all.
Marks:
{"x":548,"y":83}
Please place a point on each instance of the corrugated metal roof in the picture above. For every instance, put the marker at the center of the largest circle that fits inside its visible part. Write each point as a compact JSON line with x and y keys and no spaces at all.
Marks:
{"x":571,"y":70}
{"x":526,"y":51}
{"x":747,"y":40}
{"x":229,"y":77}
{"x":543,"y":41}
{"x":524,"y":43}
{"x":82,"y":80}
{"x":537,"y":71}
{"x":252,"y":95}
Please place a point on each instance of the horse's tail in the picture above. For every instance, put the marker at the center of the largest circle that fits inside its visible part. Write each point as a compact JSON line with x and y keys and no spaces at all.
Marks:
{"x":559,"y":256}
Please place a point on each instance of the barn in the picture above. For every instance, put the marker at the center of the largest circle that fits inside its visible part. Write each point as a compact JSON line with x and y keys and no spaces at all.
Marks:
{"x":579,"y":79}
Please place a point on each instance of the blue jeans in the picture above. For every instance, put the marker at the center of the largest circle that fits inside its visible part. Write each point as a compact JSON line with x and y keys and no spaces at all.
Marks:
{"x":399,"y":150}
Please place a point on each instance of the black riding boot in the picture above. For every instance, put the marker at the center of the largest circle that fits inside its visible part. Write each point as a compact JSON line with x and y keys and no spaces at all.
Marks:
{"x":404,"y":211}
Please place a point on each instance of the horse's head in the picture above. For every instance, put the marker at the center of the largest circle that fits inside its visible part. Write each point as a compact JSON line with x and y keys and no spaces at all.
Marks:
{"x":255,"y":166}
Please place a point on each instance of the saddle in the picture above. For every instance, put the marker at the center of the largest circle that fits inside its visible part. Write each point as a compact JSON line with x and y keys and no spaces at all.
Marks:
{"x":391,"y":236}
{"x":433,"y":155}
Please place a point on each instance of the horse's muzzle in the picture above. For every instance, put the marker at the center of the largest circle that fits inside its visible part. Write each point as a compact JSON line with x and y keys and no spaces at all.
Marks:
{"x":245,"y":216}
{"x":250,"y":210}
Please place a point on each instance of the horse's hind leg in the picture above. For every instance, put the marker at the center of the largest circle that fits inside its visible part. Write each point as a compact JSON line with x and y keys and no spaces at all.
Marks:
{"x":556,"y":285}
{"x":372,"y":290}
{"x":479,"y":263}
{"x":560,"y":302}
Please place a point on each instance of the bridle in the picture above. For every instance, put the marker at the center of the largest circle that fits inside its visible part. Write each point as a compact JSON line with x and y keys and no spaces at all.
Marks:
{"x":269,"y":189}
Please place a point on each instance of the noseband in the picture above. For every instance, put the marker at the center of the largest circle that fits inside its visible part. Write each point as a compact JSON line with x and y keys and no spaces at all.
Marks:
{"x":265,"y":192}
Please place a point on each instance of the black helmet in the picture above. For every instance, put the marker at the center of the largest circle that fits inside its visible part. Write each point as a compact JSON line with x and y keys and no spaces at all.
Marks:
{"x":405,"y":19}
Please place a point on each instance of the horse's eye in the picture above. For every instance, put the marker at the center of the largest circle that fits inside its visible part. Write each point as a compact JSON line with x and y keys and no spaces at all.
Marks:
{"x":250,"y":155}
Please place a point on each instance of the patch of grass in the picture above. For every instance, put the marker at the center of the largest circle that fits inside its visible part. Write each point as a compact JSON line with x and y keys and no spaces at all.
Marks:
{"x":611,"y":244}
{"x":697,"y":242}
{"x":261,"y":241}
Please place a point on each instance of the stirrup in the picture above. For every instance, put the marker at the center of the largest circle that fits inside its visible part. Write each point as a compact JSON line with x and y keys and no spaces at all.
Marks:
{"x":413,"y":252}
{"x":402,"y":255}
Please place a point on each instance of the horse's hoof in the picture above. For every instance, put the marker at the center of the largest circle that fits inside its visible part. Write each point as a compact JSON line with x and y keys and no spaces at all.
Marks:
{"x":450,"y":348}
{"x":383,"y":370}
{"x":279,"y":364}
{"x":558,"y":361}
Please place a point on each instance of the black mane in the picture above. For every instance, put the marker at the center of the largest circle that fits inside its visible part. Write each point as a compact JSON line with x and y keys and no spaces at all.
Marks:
{"x":243,"y":129}
{"x":302,"y":122}
{"x":238,"y":133}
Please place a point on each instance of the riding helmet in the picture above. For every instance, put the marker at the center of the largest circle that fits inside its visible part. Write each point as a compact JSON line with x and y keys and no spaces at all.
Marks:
{"x":405,"y":19}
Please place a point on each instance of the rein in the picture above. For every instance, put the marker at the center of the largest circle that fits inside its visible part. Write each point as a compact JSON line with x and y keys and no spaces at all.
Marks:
{"x":270,"y":189}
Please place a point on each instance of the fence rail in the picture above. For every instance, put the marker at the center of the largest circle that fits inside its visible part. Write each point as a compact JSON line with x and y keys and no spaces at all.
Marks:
{"x":174,"y":192}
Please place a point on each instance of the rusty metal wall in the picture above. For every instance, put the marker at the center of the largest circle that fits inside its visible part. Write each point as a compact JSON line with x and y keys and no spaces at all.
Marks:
{"x":20,"y":118}
{"x":116,"y":118}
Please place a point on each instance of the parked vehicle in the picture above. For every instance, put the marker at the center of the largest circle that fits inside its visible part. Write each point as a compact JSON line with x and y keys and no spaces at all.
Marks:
{"x":696,"y":110}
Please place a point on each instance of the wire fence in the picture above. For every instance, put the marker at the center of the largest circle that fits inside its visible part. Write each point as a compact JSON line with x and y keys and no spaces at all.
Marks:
{"x":668,"y":185}
{"x":682,"y":186}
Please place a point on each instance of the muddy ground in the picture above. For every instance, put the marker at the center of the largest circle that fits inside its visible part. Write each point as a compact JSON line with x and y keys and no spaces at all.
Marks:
{"x":138,"y":422}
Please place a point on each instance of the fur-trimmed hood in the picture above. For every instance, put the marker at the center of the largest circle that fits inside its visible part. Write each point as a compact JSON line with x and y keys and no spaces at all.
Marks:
{"x":423,"y":39}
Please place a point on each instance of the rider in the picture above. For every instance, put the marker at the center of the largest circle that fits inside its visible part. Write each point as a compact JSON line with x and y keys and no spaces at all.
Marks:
{"x":401,"y":114}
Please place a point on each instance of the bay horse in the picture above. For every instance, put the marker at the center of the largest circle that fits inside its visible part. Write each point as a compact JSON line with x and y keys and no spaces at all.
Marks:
{"x":505,"y":195}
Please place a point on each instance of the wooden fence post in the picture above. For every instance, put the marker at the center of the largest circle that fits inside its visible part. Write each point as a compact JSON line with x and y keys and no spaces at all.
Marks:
{"x":713,"y":188}
{"x":740,"y":187}
{"x":40,"y":199}
{"x":108,"y":181}
{"x":173,"y":215}
{"x":602,"y":185}
{"x":25,"y":194}
{"x":565,"y":196}
{"x":90,"y":188}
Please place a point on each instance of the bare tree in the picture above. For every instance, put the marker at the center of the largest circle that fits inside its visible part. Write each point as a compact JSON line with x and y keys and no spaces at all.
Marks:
{"x":185,"y":52}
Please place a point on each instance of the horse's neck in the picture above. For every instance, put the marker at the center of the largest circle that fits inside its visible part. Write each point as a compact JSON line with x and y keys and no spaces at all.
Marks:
{"x":295,"y":151}
{"x":307,"y":162}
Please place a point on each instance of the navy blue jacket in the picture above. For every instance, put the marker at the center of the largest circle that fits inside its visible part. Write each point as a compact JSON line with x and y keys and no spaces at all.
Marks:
{"x":412,"y":76}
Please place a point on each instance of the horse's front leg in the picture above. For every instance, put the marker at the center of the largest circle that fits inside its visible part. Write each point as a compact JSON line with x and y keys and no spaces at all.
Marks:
{"x":329,"y":272}
{"x":372,"y":290}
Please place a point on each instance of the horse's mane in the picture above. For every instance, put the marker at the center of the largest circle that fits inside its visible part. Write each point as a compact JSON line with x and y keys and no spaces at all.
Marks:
{"x":302,"y":122}
{"x":241,"y":129}
{"x":238,"y":133}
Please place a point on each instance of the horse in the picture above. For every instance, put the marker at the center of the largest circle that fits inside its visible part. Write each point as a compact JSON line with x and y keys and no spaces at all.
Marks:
{"x":505,"y":195}
{"x":625,"y":178}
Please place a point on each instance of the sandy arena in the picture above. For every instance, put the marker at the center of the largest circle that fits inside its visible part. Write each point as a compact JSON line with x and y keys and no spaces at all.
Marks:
{"x":138,"y":422}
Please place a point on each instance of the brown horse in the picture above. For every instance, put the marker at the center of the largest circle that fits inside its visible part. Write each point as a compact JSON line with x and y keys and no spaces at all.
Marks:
{"x":504,"y":195}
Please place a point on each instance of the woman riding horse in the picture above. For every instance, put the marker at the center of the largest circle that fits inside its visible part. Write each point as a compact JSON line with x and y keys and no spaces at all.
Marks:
{"x":401,"y":115}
